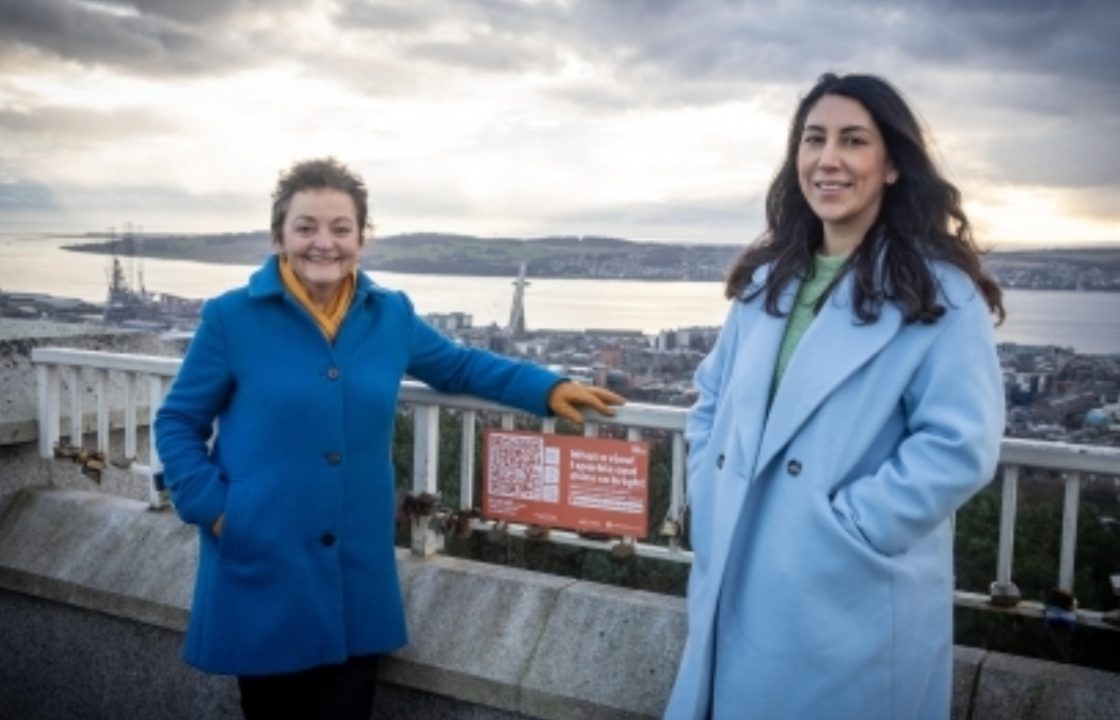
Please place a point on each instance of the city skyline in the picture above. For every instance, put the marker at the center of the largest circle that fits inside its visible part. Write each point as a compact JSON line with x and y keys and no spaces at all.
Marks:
{"x":643,"y":119}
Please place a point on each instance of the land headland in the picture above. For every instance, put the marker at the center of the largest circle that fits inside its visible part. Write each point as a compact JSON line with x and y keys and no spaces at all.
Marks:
{"x":587,"y":256}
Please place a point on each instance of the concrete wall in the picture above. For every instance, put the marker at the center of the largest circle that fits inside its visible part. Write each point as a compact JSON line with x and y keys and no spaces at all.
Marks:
{"x":95,"y":590}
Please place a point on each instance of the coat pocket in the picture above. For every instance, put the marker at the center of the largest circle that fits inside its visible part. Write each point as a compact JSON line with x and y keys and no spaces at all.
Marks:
{"x":848,"y":529}
{"x":236,"y":541}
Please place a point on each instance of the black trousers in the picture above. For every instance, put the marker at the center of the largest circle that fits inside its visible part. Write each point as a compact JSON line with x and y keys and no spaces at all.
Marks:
{"x":326,"y":692}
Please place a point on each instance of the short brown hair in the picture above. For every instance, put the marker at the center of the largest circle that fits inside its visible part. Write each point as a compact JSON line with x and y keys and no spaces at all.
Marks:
{"x":318,"y":174}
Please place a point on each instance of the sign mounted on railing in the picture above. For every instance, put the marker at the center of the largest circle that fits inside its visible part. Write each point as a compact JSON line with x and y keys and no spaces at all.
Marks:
{"x":585,"y":484}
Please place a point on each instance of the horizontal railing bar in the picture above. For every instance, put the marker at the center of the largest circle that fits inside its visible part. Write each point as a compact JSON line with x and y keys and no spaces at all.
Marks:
{"x":1028,"y":608}
{"x":151,"y":364}
{"x":1051,"y":455}
{"x":1043,"y":454}
{"x":652,"y":417}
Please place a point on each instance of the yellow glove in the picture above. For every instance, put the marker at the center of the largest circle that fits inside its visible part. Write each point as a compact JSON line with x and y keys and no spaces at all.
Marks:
{"x":567,"y":398}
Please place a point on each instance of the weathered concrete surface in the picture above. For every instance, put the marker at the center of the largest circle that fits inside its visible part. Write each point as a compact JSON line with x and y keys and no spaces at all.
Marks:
{"x":1028,"y":689}
{"x":99,"y":552}
{"x":59,"y":662}
{"x":966,"y":673}
{"x":94,"y":592}
{"x":605,"y":652}
{"x":473,"y":629}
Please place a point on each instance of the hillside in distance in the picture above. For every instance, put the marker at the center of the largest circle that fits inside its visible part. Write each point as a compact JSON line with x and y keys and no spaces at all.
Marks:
{"x":444,"y":254}
{"x":587,"y":256}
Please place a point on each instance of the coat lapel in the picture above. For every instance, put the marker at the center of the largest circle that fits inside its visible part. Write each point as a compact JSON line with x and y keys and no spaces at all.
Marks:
{"x":756,"y":352}
{"x":759,"y":354}
{"x":834,"y":347}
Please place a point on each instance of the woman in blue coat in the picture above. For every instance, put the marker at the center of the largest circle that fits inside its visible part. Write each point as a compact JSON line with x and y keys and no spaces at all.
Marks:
{"x":297,"y":590}
{"x":852,"y":403}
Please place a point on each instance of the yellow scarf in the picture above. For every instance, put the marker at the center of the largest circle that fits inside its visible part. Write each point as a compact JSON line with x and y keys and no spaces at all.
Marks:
{"x":330,"y":318}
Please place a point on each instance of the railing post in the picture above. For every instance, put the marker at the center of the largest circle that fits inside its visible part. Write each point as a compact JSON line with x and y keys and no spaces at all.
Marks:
{"x":157,"y":494}
{"x":74,"y":385}
{"x":676,"y":488}
{"x":48,"y":401}
{"x":103,"y":412}
{"x":130,"y":400}
{"x":466,"y":460}
{"x":1069,"y":531}
{"x":1003,"y":592}
{"x":425,"y":464}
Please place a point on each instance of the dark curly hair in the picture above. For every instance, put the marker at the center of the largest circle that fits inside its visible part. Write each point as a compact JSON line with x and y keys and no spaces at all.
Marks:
{"x":318,"y":174}
{"x":920,"y":219}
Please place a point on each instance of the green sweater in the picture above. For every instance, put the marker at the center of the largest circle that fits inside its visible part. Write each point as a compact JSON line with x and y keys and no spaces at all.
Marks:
{"x":825,"y":268}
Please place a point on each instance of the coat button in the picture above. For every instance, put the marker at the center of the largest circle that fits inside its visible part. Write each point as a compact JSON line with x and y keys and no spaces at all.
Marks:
{"x":327,"y":539}
{"x":794,"y":467}
{"x":334,"y":458}
{"x":719,"y":462}
{"x":333,"y":373}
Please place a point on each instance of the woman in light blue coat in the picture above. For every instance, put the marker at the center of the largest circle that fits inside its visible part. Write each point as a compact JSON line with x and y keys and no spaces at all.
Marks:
{"x":297,"y":591}
{"x":852,"y":403}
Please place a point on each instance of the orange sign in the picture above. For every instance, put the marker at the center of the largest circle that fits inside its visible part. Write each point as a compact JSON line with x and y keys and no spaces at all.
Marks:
{"x":580,"y":483}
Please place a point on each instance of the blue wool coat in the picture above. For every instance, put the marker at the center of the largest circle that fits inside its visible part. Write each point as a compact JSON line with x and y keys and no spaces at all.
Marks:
{"x":821,"y":585}
{"x":304,"y":572}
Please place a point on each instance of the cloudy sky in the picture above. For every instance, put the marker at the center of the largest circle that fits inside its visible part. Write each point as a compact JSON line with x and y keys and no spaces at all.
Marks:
{"x":645,"y":119}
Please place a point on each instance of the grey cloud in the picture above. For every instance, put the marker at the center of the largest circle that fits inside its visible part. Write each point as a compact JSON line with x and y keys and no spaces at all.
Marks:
{"x":993,"y":64}
{"x":139,"y":43}
{"x":28,"y":203}
{"x":1074,"y":41}
{"x":1018,"y":63}
{"x":711,"y":42}
{"x":396,"y":17}
{"x":500,"y":35}
{"x":1073,"y":154}
{"x":1053,"y":60}
{"x":485,"y":53}
{"x":409,"y":16}
{"x":25,"y":196}
{"x":202,"y":12}
{"x":142,"y":198}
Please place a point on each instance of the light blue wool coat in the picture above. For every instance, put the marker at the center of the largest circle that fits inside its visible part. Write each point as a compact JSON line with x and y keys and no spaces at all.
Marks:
{"x":305,"y":571}
{"x":822,"y":580}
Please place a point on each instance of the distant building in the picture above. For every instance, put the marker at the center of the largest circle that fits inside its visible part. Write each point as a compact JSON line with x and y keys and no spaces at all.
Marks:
{"x":610,"y":356}
{"x":451,"y":322}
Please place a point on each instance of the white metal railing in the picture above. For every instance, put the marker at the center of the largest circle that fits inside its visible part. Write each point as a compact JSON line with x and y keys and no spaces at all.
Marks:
{"x":57,"y":367}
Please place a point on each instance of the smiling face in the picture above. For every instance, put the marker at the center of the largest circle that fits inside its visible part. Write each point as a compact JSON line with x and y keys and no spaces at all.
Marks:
{"x":321,"y":238}
{"x":843,"y":169}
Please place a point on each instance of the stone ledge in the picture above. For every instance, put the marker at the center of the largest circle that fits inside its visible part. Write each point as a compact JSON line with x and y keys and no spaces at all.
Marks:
{"x":1020,"y":687}
{"x":501,"y":641}
{"x":99,"y":552}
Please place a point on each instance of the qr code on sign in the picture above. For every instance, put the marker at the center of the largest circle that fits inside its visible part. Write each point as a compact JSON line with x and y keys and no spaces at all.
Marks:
{"x":516,"y":467}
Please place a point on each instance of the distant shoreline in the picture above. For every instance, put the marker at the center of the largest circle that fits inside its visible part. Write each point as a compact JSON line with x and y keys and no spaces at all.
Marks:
{"x":1091,"y":269}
